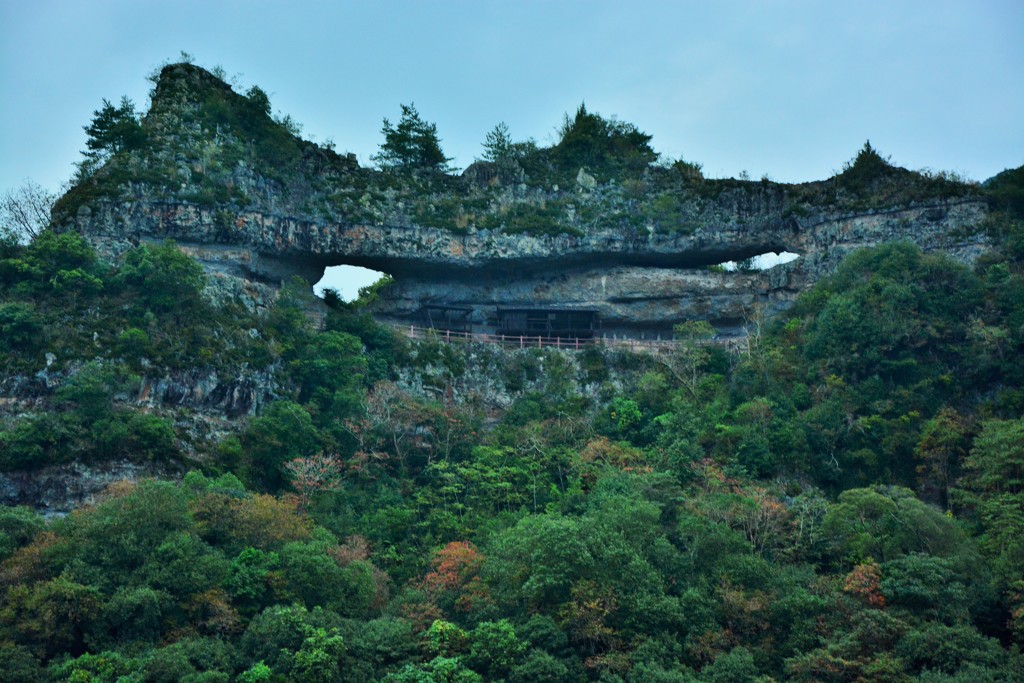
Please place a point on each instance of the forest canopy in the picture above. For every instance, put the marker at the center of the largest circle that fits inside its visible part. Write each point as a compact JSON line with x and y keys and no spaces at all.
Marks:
{"x":841,"y":496}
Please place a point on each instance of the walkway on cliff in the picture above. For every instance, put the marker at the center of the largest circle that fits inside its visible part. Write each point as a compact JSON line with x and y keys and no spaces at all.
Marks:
{"x":652,"y":346}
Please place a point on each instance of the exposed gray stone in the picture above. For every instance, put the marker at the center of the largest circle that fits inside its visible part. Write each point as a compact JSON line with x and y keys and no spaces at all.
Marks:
{"x":585,"y":180}
{"x":634,"y":280}
{"x":633,"y":246}
{"x":59,"y":489}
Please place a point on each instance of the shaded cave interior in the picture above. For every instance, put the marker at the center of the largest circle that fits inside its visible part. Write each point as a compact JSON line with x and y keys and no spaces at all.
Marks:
{"x":488,"y":301}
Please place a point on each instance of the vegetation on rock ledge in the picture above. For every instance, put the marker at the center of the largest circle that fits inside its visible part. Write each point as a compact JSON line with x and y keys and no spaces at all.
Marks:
{"x":203,"y":143}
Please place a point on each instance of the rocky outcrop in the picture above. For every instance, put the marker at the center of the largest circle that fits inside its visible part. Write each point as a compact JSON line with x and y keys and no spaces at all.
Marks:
{"x":646,"y":284}
{"x":257,"y":205}
{"x":642,"y":280}
{"x":59,"y":489}
{"x":204,"y":406}
{"x":205,"y":390}
{"x":199,"y":389}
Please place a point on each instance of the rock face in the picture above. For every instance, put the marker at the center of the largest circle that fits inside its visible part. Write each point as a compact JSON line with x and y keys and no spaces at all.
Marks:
{"x":59,"y":489}
{"x":638,"y":283}
{"x":257,"y":206}
{"x":644,"y":284}
{"x":203,"y":405}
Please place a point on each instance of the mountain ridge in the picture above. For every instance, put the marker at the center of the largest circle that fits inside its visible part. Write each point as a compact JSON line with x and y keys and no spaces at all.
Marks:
{"x":214,"y":169}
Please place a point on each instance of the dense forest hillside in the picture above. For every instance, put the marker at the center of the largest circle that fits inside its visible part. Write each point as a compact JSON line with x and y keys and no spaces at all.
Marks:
{"x":314,"y":497}
{"x":839,"y":501}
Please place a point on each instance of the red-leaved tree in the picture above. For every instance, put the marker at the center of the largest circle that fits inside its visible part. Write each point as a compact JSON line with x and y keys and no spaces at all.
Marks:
{"x":315,"y":474}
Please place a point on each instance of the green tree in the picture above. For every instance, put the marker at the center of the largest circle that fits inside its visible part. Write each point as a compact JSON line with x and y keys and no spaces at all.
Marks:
{"x":867,"y":167}
{"x":109,"y":542}
{"x":494,"y":648}
{"x":184,"y":566}
{"x":190,"y":659}
{"x":331,"y":369}
{"x":735,"y":666}
{"x":284,"y":432}
{"x":259,"y":99}
{"x":295,"y":642}
{"x":257,"y":673}
{"x":112,"y":130}
{"x":36,"y":442}
{"x":598,"y":573}
{"x":994,"y":484}
{"x":51,"y":618}
{"x":165,"y":279}
{"x":20,"y":326}
{"x":377,"y":646}
{"x":128,"y":433}
{"x":884,"y":523}
{"x":319,"y":658}
{"x":18,"y":526}
{"x":91,"y":391}
{"x":104,"y":667}
{"x":590,"y":140}
{"x":437,"y":670}
{"x":412,"y":144}
{"x":248,"y":576}
{"x":884,"y":309}
{"x":944,"y":442}
{"x":445,"y":639}
{"x":925,"y":586}
{"x":46,"y":263}
{"x":939,"y":647}
{"x":497,"y":144}
{"x":132,"y":615}
{"x":540,"y":667}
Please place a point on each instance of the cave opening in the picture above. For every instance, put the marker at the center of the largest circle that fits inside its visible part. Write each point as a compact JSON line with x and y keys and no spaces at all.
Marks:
{"x":347,"y":280}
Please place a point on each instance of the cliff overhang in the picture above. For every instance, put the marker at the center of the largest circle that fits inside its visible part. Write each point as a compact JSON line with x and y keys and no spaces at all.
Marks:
{"x":257,"y":206}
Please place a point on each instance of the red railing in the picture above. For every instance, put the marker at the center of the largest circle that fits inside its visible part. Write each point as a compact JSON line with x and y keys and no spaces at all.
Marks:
{"x":525,"y":341}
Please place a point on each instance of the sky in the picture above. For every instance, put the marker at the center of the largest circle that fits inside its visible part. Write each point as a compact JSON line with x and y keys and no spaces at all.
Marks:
{"x":788,"y":89}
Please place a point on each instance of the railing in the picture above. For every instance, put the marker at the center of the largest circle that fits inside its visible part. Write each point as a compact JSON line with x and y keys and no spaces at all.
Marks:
{"x":526,"y":341}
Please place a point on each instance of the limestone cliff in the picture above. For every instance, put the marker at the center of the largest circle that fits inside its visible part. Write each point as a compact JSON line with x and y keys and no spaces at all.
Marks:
{"x":257,"y":205}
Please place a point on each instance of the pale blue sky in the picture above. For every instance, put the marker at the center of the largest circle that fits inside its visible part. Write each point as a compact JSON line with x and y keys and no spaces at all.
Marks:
{"x":787,"y":88}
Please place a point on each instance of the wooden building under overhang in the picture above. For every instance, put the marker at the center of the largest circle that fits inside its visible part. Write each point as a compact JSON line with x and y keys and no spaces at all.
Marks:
{"x":548,"y":322}
{"x":452,"y":318}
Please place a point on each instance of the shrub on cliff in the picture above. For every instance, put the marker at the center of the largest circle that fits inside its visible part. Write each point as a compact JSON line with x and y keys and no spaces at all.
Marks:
{"x":601,"y":144}
{"x":163,"y":278}
{"x":20,"y":325}
{"x":1007,"y":191}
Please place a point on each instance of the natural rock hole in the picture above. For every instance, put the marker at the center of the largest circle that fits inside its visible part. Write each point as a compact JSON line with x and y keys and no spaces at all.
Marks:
{"x":346,"y":280}
{"x":761,"y":261}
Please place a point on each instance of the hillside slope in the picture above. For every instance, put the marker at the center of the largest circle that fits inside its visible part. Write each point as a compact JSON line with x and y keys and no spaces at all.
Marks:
{"x":216,"y":491}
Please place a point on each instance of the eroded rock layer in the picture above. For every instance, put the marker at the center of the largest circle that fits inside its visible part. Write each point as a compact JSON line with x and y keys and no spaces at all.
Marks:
{"x":257,"y":206}
{"x":644,"y":282}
